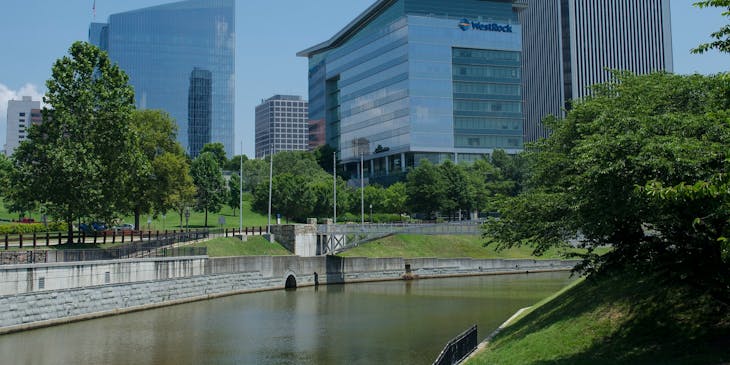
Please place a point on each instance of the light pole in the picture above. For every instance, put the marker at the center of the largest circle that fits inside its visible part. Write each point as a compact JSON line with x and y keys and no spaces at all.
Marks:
{"x":362,"y":189}
{"x":271,"y":174}
{"x":334,"y":187}
{"x":371,"y":213}
{"x":240,"y":191}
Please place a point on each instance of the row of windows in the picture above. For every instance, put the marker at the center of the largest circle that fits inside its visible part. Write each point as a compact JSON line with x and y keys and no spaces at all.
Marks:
{"x":487,"y":123}
{"x":487,"y":106}
{"x":474,"y":141}
{"x":487,"y":55}
{"x":512,"y":73}
{"x":487,"y":89}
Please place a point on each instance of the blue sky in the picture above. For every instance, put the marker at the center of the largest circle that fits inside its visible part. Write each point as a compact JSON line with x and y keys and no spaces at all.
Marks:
{"x":269,"y":33}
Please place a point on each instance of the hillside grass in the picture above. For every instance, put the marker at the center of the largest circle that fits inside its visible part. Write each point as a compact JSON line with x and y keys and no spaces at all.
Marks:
{"x":172,"y":219}
{"x":618,"y":319}
{"x":255,"y":246}
{"x":444,"y":246}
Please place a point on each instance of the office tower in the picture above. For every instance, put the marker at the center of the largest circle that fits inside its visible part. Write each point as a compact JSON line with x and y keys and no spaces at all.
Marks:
{"x":161,"y":48}
{"x":420,"y":79}
{"x":281,"y":125}
{"x":570,"y":45}
{"x":200,"y":109}
{"x":21,"y":115}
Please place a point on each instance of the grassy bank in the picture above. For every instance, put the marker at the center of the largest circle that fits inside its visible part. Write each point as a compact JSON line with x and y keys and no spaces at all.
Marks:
{"x":411,"y":246}
{"x":255,"y":246}
{"x":622,"y":319}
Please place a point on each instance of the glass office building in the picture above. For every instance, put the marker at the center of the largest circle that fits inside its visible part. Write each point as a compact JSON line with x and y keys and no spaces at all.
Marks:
{"x":420,"y":79}
{"x":180,"y":58}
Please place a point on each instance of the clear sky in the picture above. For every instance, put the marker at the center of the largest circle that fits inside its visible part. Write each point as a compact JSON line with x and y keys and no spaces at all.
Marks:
{"x":269,"y":34}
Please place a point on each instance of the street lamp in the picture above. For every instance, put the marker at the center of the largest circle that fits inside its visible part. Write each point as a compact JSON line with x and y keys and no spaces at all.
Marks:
{"x":371,"y":213}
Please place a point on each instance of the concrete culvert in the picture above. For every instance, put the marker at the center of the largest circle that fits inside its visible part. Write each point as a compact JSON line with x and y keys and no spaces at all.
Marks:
{"x":291,"y":282}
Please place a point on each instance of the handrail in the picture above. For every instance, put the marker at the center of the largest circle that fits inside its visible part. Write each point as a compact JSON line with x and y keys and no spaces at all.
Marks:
{"x":458,"y":348}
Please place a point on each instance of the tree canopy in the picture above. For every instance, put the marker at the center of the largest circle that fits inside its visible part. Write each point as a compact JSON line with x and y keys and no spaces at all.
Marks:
{"x":208,"y":178}
{"x":629,"y":167}
{"x":722,"y":36}
{"x":83,"y":159}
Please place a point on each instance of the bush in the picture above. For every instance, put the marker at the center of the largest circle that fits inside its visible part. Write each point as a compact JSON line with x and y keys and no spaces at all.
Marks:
{"x":25,"y":228}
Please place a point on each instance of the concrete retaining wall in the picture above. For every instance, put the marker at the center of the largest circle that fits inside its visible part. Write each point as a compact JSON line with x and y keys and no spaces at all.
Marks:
{"x":46,"y":294}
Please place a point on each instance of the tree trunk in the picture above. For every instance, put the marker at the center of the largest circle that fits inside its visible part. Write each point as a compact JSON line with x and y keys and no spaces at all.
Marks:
{"x":206,"y":217}
{"x":70,"y":223}
{"x":136,"y":218}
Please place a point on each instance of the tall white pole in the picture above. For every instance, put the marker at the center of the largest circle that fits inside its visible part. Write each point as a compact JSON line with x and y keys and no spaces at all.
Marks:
{"x":362,"y":189}
{"x":334,"y":187}
{"x":240,"y":192}
{"x":271,"y":175}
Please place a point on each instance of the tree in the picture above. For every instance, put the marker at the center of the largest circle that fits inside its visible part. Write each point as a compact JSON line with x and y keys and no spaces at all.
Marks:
{"x":82,"y":160}
{"x":458,"y":193}
{"x":234,"y":164}
{"x":208,"y":179}
{"x":425,"y":188}
{"x":234,"y":192}
{"x":722,"y":36}
{"x":219,"y":152}
{"x":637,"y":166}
{"x":291,"y":196}
{"x":157,"y":137}
{"x":172,"y":176}
{"x":395,"y":198}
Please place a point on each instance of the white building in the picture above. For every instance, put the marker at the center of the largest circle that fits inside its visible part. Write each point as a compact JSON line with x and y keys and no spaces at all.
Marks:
{"x":569,"y":45}
{"x":21,"y":115}
{"x":281,"y":125}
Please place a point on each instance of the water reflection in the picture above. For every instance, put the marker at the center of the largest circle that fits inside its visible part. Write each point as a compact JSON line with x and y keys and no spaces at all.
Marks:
{"x":385,"y":323}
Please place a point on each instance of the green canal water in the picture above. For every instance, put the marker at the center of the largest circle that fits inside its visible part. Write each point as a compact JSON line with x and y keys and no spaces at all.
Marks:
{"x":372,"y":323}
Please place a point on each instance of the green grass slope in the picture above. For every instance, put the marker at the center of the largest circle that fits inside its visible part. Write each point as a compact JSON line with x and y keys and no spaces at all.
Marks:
{"x":621,"y":319}
{"x":412,"y":246}
{"x":255,"y":246}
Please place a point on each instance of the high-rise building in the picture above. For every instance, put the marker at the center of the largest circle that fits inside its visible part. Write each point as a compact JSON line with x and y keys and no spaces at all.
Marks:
{"x":21,"y":115}
{"x":281,"y":125}
{"x":171,"y":53}
{"x":570,"y":45}
{"x":200,"y":109}
{"x":317,"y":133}
{"x":420,"y":79}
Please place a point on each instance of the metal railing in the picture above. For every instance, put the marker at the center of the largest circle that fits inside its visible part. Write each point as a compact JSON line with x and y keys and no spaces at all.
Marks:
{"x":150,"y":248}
{"x":465,"y":227}
{"x":458,"y":348}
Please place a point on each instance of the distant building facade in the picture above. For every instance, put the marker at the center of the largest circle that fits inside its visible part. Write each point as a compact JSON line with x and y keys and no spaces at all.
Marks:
{"x":317,"y":133}
{"x":281,"y":125}
{"x":21,"y":115}
{"x":180,"y":58}
{"x":420,"y":79}
{"x":570,"y":45}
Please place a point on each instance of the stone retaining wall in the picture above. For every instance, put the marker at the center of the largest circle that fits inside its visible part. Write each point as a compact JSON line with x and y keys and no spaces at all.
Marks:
{"x":84,"y":290}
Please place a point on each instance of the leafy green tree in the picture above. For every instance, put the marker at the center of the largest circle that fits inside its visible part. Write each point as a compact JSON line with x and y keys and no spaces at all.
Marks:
{"x":211,"y":187}
{"x":234,"y":192}
{"x":395,"y":198}
{"x":172,"y":175}
{"x":458,"y":193}
{"x":219,"y":152}
{"x":83,"y":159}
{"x":291,"y":197}
{"x":254,"y":173}
{"x":234,"y":164}
{"x":157,"y":137}
{"x":722,"y":36}
{"x":425,"y":188}
{"x":639,"y":166}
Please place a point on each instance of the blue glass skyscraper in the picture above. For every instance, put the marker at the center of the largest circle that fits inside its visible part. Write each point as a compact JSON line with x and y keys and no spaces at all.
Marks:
{"x":420,"y":79}
{"x":174,"y":54}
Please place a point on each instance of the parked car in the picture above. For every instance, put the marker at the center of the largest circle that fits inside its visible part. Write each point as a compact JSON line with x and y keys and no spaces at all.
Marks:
{"x":98,"y":226}
{"x":124,"y":227}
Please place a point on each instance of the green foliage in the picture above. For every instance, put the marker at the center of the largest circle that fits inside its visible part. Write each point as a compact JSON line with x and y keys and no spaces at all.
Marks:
{"x":234,"y":164}
{"x":156,"y":191}
{"x":172,"y":178}
{"x":602,"y":177}
{"x":208,"y":179}
{"x":722,"y":36}
{"x":234,"y":192}
{"x":425,"y":187}
{"x":219,"y":152}
{"x":24,"y":228}
{"x":394,"y":198}
{"x":84,"y":158}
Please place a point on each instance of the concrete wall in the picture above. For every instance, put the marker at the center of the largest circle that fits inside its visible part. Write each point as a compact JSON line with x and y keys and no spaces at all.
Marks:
{"x":299,"y":239}
{"x":77,"y":291}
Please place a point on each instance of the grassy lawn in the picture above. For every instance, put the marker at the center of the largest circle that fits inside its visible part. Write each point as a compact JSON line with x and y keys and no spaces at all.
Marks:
{"x":621,"y":319}
{"x":255,"y":246}
{"x":172,"y":219}
{"x":411,"y":246}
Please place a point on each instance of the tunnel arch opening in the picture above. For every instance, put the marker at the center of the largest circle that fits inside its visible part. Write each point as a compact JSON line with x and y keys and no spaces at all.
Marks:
{"x":291,"y":282}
